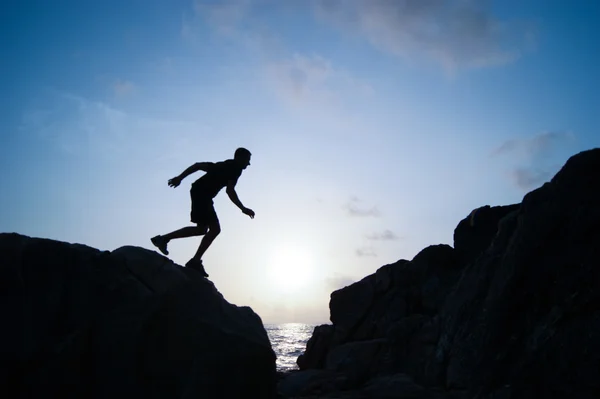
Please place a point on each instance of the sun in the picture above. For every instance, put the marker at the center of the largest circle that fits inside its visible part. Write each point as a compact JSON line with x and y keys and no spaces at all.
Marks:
{"x":290,"y":268}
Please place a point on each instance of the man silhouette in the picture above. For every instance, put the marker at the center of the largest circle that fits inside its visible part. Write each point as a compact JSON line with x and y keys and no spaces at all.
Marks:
{"x":217,"y":176}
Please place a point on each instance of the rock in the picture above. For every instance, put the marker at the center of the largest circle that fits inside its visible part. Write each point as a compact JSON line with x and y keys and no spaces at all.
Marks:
{"x":412,"y":341}
{"x":461,"y":315}
{"x":328,"y":384}
{"x":355,"y":359}
{"x":303,"y":383}
{"x":78,"y":322}
{"x":438,"y":269}
{"x":475,"y":232}
{"x":366,"y":309}
{"x":349,"y":306}
{"x":510,"y":312}
{"x":316,"y":348}
{"x":397,"y":386}
{"x":377,"y":320}
{"x":523,"y":320}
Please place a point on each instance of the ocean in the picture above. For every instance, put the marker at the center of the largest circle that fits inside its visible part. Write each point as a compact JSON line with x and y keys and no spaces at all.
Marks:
{"x":288,"y":341}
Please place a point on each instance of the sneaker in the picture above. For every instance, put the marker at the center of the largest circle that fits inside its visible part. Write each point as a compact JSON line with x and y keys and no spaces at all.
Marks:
{"x":197,"y":265}
{"x":160,"y":243}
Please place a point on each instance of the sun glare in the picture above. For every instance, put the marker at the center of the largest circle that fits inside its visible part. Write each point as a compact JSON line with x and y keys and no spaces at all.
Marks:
{"x":290,"y":268}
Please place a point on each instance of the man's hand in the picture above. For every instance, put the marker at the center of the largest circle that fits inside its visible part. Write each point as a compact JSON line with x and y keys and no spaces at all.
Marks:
{"x":249,"y":212}
{"x":174,"y":182}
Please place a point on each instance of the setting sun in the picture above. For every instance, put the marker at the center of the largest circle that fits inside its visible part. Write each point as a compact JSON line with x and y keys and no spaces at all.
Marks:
{"x":290,"y":268}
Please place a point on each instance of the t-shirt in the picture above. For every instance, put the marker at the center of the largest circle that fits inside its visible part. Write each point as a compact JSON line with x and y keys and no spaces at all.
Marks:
{"x":217,"y":177}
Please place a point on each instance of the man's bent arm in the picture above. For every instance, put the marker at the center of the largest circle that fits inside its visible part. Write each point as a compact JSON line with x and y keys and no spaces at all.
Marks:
{"x":205,"y":166}
{"x":234,"y":197}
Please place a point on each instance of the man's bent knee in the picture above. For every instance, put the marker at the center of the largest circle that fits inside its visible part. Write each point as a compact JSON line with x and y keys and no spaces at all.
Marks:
{"x":214,"y":230}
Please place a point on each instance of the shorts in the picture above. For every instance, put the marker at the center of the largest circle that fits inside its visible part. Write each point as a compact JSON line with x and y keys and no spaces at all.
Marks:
{"x":203,"y":211}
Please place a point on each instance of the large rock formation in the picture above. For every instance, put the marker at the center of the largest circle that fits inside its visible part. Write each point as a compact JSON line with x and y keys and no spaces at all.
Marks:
{"x":511,"y":311}
{"x":81,"y":323}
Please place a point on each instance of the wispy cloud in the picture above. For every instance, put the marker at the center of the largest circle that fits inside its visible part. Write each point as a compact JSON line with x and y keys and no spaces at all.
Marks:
{"x":187,"y":29}
{"x":81,"y":127}
{"x":165,"y":65}
{"x":455,"y":33}
{"x":386,"y":235}
{"x":297,"y":78}
{"x":354,"y":209}
{"x":534,"y":146}
{"x":73,"y":125}
{"x":224,"y":16}
{"x":529,"y":178}
{"x":123,"y":88}
{"x":365,"y":252}
{"x":300,"y":77}
{"x":312,"y":78}
{"x":229,"y":19}
{"x":533,"y":157}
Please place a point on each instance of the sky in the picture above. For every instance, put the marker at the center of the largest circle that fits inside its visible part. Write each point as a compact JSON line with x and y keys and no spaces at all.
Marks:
{"x":375,"y":126}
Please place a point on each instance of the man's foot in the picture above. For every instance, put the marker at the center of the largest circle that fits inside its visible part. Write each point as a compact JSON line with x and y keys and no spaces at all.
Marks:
{"x":197,"y":265}
{"x":161,"y":243}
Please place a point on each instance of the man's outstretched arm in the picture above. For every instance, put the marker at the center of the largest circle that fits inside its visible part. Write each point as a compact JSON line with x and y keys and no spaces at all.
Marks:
{"x":205,"y":166}
{"x":234,"y":198}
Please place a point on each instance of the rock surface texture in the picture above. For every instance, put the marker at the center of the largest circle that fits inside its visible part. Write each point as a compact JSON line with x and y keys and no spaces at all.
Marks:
{"x":511,"y":311}
{"x":81,"y":323}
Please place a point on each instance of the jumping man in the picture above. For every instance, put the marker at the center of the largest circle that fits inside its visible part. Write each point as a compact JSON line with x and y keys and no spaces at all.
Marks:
{"x":217,"y":176}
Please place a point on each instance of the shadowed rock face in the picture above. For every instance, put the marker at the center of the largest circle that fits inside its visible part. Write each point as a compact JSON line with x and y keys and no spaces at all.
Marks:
{"x":511,"y":311}
{"x":475,"y":233}
{"x":78,"y":322}
{"x":524,"y":320}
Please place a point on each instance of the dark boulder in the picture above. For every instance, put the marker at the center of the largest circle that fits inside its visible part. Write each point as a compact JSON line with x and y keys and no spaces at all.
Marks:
{"x":386,"y":323}
{"x":316,"y":348}
{"x":78,"y":322}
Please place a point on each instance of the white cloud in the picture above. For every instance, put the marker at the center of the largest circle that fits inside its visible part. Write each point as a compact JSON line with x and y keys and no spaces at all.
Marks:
{"x":455,"y":33}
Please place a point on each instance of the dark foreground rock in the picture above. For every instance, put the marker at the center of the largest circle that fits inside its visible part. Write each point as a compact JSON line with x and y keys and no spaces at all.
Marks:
{"x":81,"y":323}
{"x":511,"y":311}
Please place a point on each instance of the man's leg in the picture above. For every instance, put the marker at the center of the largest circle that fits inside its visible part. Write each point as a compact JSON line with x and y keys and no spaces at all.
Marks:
{"x":196,"y":262}
{"x":191,"y":231}
{"x":214,"y":228}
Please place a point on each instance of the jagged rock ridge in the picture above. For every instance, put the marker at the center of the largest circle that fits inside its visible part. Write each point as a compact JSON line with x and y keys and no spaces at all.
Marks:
{"x":511,"y":311}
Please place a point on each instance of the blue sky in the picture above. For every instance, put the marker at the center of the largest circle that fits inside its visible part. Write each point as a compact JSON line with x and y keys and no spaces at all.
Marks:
{"x":375,"y":126}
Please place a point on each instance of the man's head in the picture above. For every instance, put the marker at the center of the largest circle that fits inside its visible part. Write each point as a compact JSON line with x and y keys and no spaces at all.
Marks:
{"x":242,"y":156}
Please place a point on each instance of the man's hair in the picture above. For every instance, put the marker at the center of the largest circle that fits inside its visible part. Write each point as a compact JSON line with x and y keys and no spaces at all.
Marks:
{"x":241,"y":153}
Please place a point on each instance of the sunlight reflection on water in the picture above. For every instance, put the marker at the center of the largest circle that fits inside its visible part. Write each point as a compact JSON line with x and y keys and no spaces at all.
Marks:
{"x":288,"y":341}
